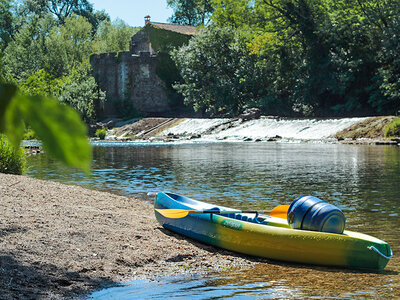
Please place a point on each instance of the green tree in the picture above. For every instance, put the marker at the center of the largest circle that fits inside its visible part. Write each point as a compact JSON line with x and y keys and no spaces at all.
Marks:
{"x":190,"y":12}
{"x":113,"y":36}
{"x":62,"y":9}
{"x":26,"y":54}
{"x":304,"y":22}
{"x":388,"y":100}
{"x":234,"y":13}
{"x":68,"y":45}
{"x":330,"y":57}
{"x":42,"y":44}
{"x":6,"y":24}
{"x":41,"y":83}
{"x":218,"y":72}
{"x":47,"y":59}
{"x":80,"y":90}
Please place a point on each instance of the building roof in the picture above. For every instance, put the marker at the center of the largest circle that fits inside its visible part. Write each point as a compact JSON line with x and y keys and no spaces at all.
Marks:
{"x":182,"y":29}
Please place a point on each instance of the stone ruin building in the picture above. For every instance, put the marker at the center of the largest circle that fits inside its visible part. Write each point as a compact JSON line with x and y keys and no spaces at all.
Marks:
{"x":131,"y":79}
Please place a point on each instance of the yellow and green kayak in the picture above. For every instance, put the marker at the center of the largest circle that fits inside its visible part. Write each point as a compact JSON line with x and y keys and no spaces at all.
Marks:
{"x":271,"y":237}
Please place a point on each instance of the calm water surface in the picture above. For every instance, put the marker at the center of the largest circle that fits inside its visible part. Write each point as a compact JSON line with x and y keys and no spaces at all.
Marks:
{"x":364,"y":181}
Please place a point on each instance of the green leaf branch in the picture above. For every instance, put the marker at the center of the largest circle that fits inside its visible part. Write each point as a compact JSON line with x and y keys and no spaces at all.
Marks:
{"x":59,"y":127}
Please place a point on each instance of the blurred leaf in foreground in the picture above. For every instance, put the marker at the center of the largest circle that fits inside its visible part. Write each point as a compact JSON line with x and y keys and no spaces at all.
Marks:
{"x":60,"y":128}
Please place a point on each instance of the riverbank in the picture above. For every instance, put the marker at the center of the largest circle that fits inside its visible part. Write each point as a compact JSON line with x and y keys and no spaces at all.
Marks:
{"x":60,"y":241}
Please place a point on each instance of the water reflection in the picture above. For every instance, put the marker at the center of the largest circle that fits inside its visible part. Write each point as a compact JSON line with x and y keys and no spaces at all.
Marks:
{"x":362,"y":180}
{"x":216,"y":287}
{"x":352,"y":177}
{"x":265,"y":281}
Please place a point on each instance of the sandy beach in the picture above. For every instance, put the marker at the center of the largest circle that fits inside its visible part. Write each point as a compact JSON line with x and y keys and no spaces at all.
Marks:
{"x":61,"y":241}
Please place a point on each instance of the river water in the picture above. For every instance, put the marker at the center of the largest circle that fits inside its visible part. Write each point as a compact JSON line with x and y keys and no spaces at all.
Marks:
{"x":364,"y":181}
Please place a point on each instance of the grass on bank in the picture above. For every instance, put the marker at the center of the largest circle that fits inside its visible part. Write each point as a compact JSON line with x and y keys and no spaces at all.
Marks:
{"x":30,"y":135}
{"x":370,"y":128}
{"x":392,"y":129}
{"x":101,"y":133}
{"x":11,"y":161}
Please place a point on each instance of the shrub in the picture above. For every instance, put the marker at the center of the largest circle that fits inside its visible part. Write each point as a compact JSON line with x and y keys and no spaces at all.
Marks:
{"x":393,"y":128}
{"x":30,"y":135}
{"x":11,"y":161}
{"x":101,"y":133}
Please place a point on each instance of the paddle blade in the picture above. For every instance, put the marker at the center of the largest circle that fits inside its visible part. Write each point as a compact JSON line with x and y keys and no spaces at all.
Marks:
{"x":173,"y":213}
{"x":279,"y":211}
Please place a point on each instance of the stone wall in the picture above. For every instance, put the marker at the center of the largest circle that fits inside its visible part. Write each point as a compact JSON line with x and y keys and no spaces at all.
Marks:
{"x":140,"y":42}
{"x":130,"y":81}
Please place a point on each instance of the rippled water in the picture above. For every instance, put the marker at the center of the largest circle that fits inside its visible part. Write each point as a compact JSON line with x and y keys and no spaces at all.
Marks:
{"x":364,"y":181}
{"x":195,"y":287}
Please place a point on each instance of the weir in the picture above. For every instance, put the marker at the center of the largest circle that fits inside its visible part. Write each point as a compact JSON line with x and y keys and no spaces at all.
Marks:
{"x":263,"y":128}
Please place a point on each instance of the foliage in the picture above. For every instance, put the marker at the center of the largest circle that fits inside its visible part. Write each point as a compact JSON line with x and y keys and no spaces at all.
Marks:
{"x":113,"y":37}
{"x":62,"y":9}
{"x":6,"y":24}
{"x":58,"y":126}
{"x":219,"y":75}
{"x":393,"y":128}
{"x":165,"y":41}
{"x":29,"y":135}
{"x":389,"y":71}
{"x":41,"y":83}
{"x":190,"y":12}
{"x":167,"y":71}
{"x":234,"y":13}
{"x":80,"y":91}
{"x":26,"y":54}
{"x":12,"y":161}
{"x":50,"y":60}
{"x":313,"y":57}
{"x":68,"y":46}
{"x":101,"y":133}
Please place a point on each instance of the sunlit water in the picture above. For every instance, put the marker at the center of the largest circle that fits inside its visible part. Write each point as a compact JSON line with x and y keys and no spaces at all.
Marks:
{"x":364,"y":181}
{"x":196,"y":287}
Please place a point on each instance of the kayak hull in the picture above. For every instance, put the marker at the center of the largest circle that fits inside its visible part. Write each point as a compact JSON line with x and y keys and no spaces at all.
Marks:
{"x":272,"y":238}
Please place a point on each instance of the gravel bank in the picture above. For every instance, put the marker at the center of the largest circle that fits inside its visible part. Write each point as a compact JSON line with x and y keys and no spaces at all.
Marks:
{"x":61,"y":241}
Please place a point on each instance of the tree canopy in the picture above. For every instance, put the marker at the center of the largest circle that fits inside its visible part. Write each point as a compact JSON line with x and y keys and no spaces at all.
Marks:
{"x":45,"y":79}
{"x":313,"y":57}
{"x":190,"y":12}
{"x":45,"y":48}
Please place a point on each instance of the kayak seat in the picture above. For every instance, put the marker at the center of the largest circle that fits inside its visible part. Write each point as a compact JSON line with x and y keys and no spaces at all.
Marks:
{"x":243,"y":218}
{"x":239,"y":217}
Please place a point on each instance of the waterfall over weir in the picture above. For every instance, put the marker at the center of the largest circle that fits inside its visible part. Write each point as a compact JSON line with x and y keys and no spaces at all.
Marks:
{"x":261,"y":129}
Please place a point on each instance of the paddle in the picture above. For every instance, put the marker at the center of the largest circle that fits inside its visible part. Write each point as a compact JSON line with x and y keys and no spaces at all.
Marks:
{"x":174,"y":213}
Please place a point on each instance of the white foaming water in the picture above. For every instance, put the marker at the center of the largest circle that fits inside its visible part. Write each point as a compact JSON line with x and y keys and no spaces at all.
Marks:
{"x":297,"y":129}
{"x":193,"y":126}
{"x":290,"y":129}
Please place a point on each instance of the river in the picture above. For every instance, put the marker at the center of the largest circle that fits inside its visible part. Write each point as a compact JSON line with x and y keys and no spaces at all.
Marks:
{"x":362,"y":180}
